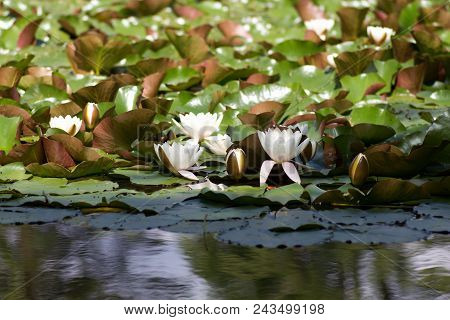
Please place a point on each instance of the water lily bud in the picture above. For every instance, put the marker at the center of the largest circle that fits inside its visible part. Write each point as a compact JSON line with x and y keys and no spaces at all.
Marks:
{"x":236,"y":163}
{"x":379,"y":35}
{"x":90,"y":115}
{"x":359,"y":170}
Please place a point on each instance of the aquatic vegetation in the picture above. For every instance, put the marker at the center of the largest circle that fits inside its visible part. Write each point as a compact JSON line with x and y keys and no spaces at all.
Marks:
{"x":349,"y":100}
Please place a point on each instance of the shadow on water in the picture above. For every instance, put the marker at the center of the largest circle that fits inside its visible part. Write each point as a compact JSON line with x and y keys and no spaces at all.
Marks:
{"x":60,"y":262}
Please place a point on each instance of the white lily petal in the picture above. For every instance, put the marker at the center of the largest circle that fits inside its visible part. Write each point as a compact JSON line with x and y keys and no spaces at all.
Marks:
{"x":266,"y":168}
{"x":320,"y":26}
{"x":199,"y":126}
{"x":69,"y":124}
{"x":218,"y":144}
{"x":188,"y":175}
{"x":156,"y":147}
{"x":302,"y":146}
{"x":179,"y":126}
{"x":291,"y":171}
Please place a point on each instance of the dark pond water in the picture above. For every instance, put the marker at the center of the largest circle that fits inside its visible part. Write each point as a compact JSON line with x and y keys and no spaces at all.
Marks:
{"x":57,"y":261}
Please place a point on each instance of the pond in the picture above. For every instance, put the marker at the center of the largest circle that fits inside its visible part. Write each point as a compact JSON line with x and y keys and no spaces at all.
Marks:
{"x":58,"y":261}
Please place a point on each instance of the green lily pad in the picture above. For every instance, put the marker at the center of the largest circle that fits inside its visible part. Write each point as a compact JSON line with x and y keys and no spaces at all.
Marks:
{"x":252,"y":95}
{"x":126,"y":99}
{"x":358,"y":85}
{"x":295,"y":49}
{"x":149,"y":178}
{"x":377,"y":116}
{"x":13,"y":172}
{"x":372,"y":133}
{"x":8,"y":132}
{"x":59,"y":186}
{"x":84,"y":169}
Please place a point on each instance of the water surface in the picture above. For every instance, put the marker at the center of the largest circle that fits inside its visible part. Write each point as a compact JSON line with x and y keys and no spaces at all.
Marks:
{"x":56,"y":261}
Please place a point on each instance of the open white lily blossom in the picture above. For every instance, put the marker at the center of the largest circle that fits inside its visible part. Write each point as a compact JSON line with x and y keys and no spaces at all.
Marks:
{"x":69,"y":124}
{"x":380,"y":35}
{"x":218,"y":144}
{"x":199,"y":126}
{"x":320,"y":26}
{"x":282,"y":146}
{"x":179,"y":158}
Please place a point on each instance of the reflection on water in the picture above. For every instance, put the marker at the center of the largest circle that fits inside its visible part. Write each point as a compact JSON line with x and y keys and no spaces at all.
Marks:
{"x":62,"y":262}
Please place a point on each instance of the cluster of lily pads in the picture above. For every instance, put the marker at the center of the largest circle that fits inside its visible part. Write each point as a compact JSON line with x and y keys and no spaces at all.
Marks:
{"x":162,"y":107}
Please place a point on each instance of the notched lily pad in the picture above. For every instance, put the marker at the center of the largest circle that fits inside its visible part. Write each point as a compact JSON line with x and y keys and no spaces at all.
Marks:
{"x":201,"y":210}
{"x":428,"y":224}
{"x":13,"y":172}
{"x":149,"y":178}
{"x":26,"y":215}
{"x":123,"y":221}
{"x":57,"y":186}
{"x":370,"y":235}
{"x":84,"y":169}
{"x":201,"y":227}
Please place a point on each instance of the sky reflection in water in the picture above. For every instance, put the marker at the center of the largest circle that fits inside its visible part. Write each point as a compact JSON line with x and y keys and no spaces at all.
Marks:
{"x":61,"y":262}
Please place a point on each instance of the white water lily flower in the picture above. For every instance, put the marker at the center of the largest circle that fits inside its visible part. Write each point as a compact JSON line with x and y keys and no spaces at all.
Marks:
{"x":199,"y":126}
{"x":281,"y":146}
{"x":320,"y":26}
{"x":69,"y":124}
{"x":330,"y":59}
{"x":179,"y":157}
{"x":379,"y":35}
{"x":218,"y":144}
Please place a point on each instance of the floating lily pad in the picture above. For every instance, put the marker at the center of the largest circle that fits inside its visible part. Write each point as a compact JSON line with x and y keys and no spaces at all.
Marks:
{"x":370,"y":235}
{"x":157,"y":201}
{"x":58,"y":186}
{"x":200,"y":210}
{"x":150,"y":178}
{"x":435,"y":225}
{"x":436,"y":210}
{"x":85,"y":168}
{"x":25,"y":215}
{"x":123,"y":221}
{"x":249,"y":236}
{"x":200,"y":227}
{"x":13,"y":172}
